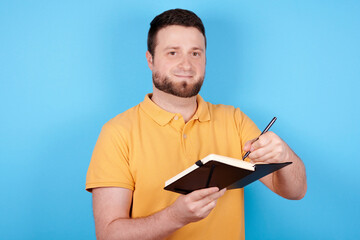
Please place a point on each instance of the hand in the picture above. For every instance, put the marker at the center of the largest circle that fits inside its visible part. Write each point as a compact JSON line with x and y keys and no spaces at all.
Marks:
{"x":269,"y":148}
{"x":195,"y":205}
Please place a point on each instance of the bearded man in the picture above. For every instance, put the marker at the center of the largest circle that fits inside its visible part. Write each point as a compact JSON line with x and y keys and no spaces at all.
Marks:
{"x":141,"y":148}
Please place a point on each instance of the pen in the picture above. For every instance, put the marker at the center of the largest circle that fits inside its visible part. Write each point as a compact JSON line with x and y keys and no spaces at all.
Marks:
{"x":265,"y":130}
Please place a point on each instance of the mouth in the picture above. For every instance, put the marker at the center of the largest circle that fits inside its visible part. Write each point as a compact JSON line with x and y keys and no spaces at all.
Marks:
{"x":183,"y":76}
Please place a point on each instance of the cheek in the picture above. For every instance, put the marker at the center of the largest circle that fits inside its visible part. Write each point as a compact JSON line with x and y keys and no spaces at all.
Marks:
{"x":200,"y":67}
{"x":165,"y":64}
{"x":161,"y":67}
{"x":201,"y":62}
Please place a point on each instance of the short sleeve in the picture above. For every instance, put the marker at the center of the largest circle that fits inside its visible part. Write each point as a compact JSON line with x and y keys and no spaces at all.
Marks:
{"x":247,"y":129}
{"x":109,"y":165}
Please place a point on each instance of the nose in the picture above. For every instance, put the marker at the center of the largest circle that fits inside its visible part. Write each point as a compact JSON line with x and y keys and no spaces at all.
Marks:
{"x":185,"y":63}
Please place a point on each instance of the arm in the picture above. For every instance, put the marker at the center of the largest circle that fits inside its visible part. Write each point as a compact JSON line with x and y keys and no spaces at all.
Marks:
{"x":111,"y":208}
{"x":288,"y":182}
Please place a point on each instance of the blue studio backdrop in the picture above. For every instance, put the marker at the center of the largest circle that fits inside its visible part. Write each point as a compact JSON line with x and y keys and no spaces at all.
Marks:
{"x":67,"y":67}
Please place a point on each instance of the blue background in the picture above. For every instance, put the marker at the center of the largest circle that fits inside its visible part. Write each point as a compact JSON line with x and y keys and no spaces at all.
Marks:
{"x":67,"y":67}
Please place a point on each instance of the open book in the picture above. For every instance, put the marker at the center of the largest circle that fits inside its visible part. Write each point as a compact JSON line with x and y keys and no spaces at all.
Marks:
{"x":219,"y":171}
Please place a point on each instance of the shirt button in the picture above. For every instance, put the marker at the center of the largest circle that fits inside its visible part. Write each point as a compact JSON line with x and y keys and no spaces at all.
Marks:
{"x":176,"y":117}
{"x":184,"y":135}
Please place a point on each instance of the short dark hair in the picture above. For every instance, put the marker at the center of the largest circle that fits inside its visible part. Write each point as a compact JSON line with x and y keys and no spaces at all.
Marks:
{"x":177,"y":16}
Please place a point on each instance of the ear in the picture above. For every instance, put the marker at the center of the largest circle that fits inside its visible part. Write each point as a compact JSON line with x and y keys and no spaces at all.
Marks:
{"x":150,"y":60}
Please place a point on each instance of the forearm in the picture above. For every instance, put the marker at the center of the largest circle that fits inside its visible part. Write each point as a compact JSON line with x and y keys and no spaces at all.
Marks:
{"x":290,"y":182}
{"x":156,"y":226}
{"x":112,"y":207}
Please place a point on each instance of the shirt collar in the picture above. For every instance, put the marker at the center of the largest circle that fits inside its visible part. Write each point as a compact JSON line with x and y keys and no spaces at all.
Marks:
{"x":202,"y":112}
{"x":163,"y":117}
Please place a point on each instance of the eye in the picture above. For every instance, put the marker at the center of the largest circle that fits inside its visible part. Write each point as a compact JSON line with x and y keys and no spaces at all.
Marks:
{"x":196,"y":54}
{"x":172,"y":53}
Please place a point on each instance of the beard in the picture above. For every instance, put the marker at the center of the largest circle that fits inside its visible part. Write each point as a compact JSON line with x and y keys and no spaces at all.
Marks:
{"x":180,"y":89}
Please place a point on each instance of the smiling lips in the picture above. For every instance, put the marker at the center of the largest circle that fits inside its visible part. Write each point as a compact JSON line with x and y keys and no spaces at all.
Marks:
{"x":183,"y":76}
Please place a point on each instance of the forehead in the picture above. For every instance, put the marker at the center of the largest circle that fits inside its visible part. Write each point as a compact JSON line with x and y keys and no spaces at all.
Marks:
{"x":180,"y":36}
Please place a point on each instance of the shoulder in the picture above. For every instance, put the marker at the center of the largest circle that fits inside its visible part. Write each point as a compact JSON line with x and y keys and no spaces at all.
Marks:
{"x":220,"y":107}
{"x":124,"y":121}
{"x":222,"y":110}
{"x":230,"y":115}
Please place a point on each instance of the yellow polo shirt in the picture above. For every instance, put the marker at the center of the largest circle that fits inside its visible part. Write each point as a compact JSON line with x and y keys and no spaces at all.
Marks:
{"x":145,"y":146}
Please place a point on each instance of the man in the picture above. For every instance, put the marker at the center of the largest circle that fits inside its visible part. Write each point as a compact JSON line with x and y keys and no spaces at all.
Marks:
{"x":138,"y":150}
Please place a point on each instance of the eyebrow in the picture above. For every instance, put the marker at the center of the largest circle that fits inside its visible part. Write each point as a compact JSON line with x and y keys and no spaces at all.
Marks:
{"x":176,"y":48}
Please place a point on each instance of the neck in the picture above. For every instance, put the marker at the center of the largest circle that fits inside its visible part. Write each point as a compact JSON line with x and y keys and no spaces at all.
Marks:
{"x":185,"y":106}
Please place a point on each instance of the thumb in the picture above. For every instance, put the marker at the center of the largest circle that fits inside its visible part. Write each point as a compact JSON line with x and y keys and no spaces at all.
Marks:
{"x":247,"y":145}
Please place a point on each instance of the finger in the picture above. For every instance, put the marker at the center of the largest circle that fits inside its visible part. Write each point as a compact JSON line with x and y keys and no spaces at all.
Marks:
{"x":205,"y":210}
{"x":218,"y":194}
{"x":212,"y":197}
{"x":247,"y":145}
{"x":267,"y":158}
{"x":266,"y":139}
{"x":222,"y":191}
{"x":260,"y":152}
{"x":202,"y":193}
{"x":261,"y":142}
{"x":211,"y":205}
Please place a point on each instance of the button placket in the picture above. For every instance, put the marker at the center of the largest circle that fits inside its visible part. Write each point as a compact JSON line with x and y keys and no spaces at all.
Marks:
{"x":186,"y":140}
